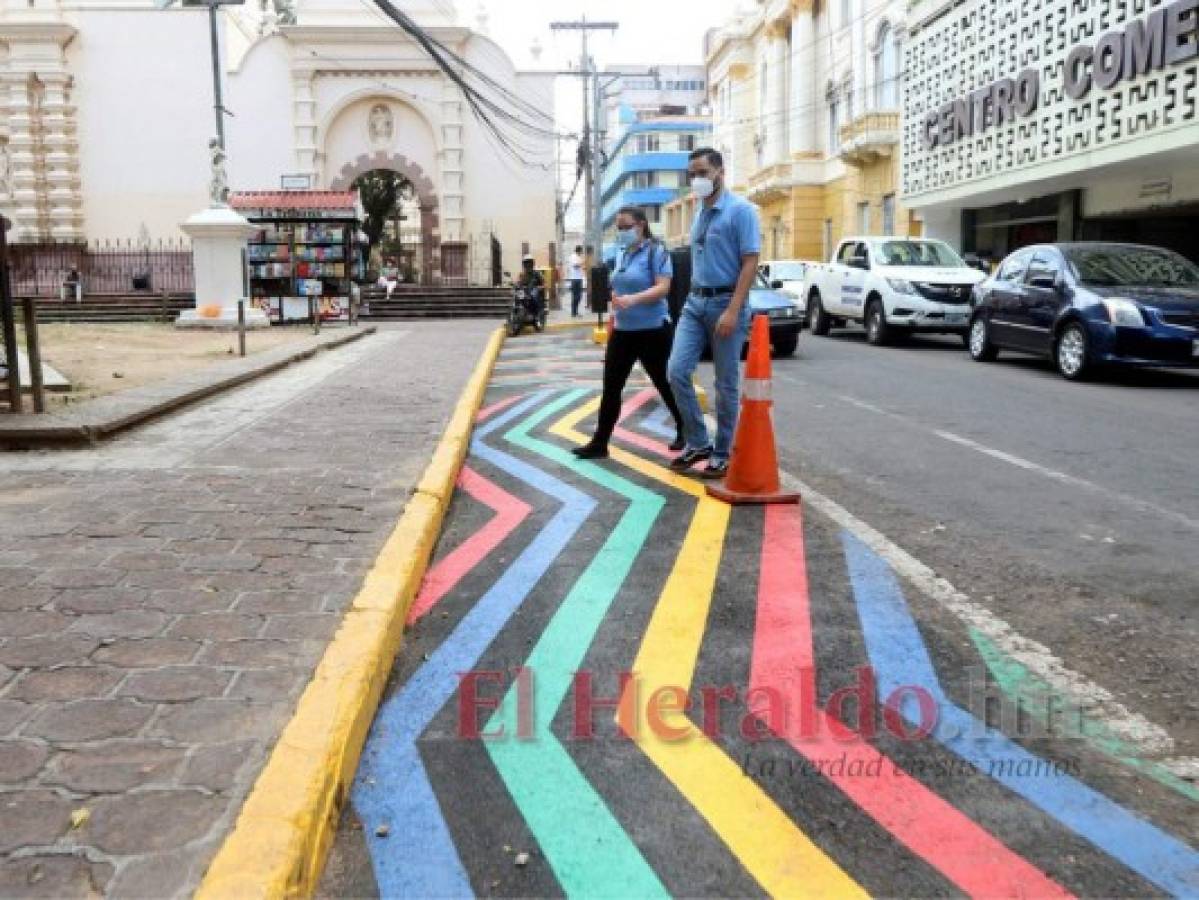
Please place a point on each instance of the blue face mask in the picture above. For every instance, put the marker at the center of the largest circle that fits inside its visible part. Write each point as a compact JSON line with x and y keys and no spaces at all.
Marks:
{"x":626,"y":237}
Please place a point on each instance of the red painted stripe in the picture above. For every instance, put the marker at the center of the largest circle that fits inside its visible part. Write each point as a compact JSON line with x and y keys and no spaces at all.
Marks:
{"x":441,"y":578}
{"x":485,"y":414}
{"x":635,"y":438}
{"x":965,"y":853}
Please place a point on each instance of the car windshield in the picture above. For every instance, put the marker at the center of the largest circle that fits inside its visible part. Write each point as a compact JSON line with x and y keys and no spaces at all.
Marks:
{"x":916,"y":253}
{"x":1131,"y":267}
{"x":787,"y":271}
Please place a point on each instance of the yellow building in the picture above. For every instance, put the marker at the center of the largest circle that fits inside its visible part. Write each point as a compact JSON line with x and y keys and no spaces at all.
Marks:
{"x":805,"y":98}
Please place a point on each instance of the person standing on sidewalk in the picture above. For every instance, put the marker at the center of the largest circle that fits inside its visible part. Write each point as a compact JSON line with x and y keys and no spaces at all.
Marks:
{"x":575,"y":276}
{"x":641,"y":326}
{"x":726,"y":241}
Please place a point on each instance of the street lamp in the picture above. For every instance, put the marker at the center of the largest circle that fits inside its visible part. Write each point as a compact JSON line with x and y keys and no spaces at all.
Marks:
{"x":218,"y":103}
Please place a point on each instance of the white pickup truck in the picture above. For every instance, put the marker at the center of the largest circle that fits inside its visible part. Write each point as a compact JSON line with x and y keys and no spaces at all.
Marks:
{"x":894,"y":286}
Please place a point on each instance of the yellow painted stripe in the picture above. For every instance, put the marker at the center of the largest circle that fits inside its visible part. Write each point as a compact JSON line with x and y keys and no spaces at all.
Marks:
{"x":771,"y":847}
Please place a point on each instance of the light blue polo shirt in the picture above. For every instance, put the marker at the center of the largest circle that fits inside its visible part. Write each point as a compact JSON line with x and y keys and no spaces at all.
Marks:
{"x":720,"y":236}
{"x":632,"y":276}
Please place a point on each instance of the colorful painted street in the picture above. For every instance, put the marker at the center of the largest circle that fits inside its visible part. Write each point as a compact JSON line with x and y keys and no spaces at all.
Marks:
{"x":614,"y":685}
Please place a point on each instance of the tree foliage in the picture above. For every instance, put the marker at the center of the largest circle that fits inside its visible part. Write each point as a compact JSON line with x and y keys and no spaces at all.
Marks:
{"x":380,"y":191}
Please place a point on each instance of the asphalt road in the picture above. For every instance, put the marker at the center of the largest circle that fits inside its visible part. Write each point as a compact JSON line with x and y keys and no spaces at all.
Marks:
{"x":1069,"y":510}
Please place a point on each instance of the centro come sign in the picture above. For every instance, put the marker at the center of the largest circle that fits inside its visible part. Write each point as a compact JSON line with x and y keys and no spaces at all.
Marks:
{"x":1166,"y":37}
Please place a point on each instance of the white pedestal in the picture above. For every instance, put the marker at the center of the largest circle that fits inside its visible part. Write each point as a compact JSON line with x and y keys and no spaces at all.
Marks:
{"x":218,"y":236}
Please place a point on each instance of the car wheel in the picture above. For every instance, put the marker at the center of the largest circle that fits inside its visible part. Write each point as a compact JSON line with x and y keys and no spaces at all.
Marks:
{"x":786,"y":346}
{"x":978,"y":341}
{"x":878,"y":332}
{"x":818,"y":319}
{"x":1072,"y":352}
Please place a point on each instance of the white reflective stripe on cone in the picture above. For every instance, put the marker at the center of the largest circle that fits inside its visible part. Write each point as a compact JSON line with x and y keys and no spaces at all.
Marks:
{"x":756,"y":388}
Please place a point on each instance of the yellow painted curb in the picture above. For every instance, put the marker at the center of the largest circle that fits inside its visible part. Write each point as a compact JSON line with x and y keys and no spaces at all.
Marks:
{"x":566,"y":326}
{"x":278,"y":847}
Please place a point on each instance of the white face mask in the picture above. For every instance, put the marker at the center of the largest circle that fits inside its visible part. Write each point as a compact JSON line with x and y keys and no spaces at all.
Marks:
{"x":703,"y":188}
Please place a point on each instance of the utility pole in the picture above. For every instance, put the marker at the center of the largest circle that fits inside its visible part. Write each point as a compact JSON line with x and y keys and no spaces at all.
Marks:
{"x":588,"y":74}
{"x":218,"y":102}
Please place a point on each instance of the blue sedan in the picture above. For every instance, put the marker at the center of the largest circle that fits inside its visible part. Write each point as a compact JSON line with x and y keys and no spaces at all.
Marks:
{"x":1089,"y":305}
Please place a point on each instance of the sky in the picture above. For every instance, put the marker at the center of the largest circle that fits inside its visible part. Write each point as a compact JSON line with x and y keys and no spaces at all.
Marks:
{"x":658,"y":32}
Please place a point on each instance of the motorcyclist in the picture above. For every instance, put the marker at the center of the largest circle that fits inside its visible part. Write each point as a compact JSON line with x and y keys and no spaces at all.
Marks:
{"x":532,"y":280}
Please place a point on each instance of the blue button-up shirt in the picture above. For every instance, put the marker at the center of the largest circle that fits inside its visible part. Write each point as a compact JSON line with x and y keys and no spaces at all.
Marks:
{"x":637,"y":271}
{"x":720,"y":236}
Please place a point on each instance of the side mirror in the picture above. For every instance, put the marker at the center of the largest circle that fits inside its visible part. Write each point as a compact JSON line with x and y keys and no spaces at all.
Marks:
{"x":776,"y":285}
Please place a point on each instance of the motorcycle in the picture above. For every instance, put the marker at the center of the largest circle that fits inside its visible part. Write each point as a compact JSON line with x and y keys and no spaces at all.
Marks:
{"x":525,"y":309}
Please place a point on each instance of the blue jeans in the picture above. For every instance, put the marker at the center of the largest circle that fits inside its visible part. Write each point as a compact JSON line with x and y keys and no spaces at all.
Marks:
{"x":697,"y":329}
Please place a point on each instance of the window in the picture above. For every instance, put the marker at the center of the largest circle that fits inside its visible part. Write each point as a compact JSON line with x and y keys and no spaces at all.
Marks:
{"x":686,"y":142}
{"x":762,"y":76}
{"x":848,"y":101}
{"x":889,"y":214}
{"x":642,"y":180}
{"x":834,"y":126}
{"x":826,"y":244}
{"x":848,"y":251}
{"x":864,"y":218}
{"x":1013,"y":268}
{"x":886,"y":69}
{"x":1042,"y":265}
{"x":846,"y":13}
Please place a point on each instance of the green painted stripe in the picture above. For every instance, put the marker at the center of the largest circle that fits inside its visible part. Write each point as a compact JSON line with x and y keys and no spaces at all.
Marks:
{"x":589,"y":851}
{"x":1034,"y":695}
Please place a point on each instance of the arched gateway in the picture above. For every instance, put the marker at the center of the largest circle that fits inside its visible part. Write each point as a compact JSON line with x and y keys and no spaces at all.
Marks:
{"x":425,"y":191}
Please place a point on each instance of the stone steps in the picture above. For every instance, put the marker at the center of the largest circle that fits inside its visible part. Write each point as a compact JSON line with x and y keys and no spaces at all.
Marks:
{"x":437,"y":303}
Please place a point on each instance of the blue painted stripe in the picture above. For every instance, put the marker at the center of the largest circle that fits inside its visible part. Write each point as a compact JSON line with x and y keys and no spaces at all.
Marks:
{"x":660,"y":423}
{"x":417,"y":858}
{"x":900,"y":657}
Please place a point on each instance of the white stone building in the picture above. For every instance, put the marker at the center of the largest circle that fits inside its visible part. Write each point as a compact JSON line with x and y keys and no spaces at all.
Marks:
{"x":1059,"y":120}
{"x":107,"y":109}
{"x":805,"y":99}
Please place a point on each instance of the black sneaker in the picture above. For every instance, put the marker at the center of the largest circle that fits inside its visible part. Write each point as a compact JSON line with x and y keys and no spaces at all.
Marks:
{"x":677,"y":444}
{"x":715,"y":470}
{"x":690,"y":458}
{"x":591,"y":451}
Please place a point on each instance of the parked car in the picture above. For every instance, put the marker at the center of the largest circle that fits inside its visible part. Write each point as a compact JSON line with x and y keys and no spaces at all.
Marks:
{"x":895,"y":286}
{"x":786,"y":275}
{"x":1087,"y":305}
{"x":787,"y":315}
{"x":785,"y":312}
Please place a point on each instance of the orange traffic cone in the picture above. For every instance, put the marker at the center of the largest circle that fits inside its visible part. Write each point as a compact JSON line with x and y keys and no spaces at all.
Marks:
{"x":753,"y":475}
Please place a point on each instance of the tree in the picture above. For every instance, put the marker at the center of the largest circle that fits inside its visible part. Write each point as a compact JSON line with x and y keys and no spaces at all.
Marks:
{"x":380,"y":191}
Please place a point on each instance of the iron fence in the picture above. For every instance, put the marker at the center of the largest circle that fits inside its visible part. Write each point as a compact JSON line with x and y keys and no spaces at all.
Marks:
{"x":109,"y":267}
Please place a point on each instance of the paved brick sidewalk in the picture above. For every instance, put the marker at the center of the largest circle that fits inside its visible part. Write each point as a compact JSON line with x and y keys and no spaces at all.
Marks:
{"x":164,"y":598}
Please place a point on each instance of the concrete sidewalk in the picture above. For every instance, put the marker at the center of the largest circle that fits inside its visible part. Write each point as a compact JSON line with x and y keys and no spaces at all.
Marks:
{"x":165,"y":597}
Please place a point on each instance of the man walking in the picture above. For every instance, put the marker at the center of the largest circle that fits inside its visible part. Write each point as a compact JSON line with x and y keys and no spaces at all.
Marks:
{"x":725,"y":244}
{"x":575,"y":276}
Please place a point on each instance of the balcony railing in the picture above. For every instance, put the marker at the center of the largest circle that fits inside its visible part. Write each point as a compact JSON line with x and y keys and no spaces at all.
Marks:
{"x":869,"y":137}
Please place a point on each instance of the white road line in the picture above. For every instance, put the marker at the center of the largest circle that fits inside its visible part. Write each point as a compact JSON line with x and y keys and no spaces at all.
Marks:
{"x":1063,"y":478}
{"x":1128,"y":500}
{"x":1150,"y":738}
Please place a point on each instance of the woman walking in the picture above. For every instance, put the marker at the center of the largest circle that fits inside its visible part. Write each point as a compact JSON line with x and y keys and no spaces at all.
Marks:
{"x":641,"y":327}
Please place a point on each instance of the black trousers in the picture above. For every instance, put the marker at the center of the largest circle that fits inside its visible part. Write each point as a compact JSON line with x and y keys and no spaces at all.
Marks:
{"x":576,"y":295}
{"x":652,"y":349}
